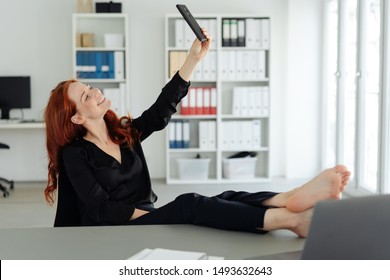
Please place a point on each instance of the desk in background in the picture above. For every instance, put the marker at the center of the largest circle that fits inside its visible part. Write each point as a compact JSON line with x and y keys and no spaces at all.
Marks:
{"x":121,"y":242}
{"x":26,"y":160}
{"x":22,"y":125}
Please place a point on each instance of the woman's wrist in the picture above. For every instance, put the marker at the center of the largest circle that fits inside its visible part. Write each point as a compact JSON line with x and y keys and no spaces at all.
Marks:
{"x":188,"y":67}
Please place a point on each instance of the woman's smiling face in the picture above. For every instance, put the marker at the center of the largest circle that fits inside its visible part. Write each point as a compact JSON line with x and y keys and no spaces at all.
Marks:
{"x":90,"y":102}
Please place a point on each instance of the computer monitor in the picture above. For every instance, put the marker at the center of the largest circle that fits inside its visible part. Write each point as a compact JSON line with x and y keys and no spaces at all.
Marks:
{"x":15,"y":93}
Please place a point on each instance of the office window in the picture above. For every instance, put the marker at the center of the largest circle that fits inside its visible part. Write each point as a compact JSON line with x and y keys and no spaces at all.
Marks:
{"x":354,"y":90}
{"x":370,"y":92}
{"x":348,"y":146}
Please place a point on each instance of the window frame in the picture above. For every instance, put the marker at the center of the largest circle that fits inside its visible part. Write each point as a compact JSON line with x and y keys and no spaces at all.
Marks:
{"x":356,"y":186}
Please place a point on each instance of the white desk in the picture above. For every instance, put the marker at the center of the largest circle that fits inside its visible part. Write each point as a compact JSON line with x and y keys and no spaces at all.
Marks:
{"x":121,"y":242}
{"x":26,"y":160}
{"x":15,"y":125}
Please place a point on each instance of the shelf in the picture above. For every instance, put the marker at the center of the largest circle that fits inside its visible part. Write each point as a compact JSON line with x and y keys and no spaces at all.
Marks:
{"x":233,"y":117}
{"x":192,"y":150}
{"x":104,"y":49}
{"x":99,"y":15}
{"x":101,"y":81}
{"x":262,"y":149}
{"x":240,"y":79}
{"x":194,"y":117}
{"x":176,"y":181}
{"x":246,"y":81}
{"x":20,"y":125}
{"x":242,"y":49}
{"x":109,"y":63}
{"x":203,"y":81}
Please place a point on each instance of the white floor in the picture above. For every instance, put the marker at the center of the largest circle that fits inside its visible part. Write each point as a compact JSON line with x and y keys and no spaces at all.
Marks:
{"x":26,"y":205}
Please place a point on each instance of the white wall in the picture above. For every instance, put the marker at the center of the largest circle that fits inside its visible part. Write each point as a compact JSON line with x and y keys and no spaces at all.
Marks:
{"x":36,"y":41}
{"x":303,"y":88}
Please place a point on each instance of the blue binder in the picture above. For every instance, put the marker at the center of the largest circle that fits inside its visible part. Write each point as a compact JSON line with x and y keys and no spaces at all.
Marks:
{"x":111,"y":65}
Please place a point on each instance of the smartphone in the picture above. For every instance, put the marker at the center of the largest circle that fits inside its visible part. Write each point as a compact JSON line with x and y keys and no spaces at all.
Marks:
{"x":191,"y":22}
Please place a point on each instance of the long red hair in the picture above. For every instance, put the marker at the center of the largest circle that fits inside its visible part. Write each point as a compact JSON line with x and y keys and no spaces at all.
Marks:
{"x":61,"y":131}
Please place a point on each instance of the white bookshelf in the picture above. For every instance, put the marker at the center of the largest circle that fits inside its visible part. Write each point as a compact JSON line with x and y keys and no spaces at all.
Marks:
{"x":113,"y":85}
{"x":225,"y":86}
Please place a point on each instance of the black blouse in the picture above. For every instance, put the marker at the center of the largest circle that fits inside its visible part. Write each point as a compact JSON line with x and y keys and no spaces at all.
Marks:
{"x":108,"y":191}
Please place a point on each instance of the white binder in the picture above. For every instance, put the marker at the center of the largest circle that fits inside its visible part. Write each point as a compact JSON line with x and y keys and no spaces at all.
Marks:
{"x":212,"y":134}
{"x":261,"y":65}
{"x":119,"y":65}
{"x":256,"y":134}
{"x":265,"y":27}
{"x":179,"y":33}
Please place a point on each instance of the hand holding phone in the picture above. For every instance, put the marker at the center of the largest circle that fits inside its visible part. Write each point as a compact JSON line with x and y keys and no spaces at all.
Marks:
{"x":191,"y":22}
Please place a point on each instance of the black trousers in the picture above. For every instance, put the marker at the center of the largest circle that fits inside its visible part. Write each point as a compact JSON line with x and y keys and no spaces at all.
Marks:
{"x":230,"y":210}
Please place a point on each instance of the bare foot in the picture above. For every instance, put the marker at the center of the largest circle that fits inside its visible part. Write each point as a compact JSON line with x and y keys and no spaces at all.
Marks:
{"x":303,"y":223}
{"x":345,"y":179}
{"x":327,"y":185}
{"x":282,"y":218}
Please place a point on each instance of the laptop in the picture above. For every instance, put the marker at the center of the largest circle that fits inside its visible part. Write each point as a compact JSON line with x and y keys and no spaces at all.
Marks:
{"x":347,"y":229}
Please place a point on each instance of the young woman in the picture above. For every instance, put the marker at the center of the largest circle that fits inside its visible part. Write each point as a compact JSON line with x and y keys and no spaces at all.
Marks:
{"x":97,"y":162}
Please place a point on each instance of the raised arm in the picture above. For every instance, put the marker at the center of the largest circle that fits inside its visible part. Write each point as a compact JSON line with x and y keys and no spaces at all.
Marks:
{"x":159,"y":114}
{"x":197,"y":51}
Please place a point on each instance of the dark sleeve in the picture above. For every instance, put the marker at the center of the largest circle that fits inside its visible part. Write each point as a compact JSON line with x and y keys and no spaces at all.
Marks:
{"x":159,"y":114}
{"x":98,"y":205}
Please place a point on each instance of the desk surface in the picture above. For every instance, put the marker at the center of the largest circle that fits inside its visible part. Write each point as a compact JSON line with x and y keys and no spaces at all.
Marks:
{"x":121,"y":242}
{"x":21,"y":125}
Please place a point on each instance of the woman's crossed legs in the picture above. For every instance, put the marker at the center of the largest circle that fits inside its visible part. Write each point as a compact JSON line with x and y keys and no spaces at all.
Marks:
{"x":293,"y":209}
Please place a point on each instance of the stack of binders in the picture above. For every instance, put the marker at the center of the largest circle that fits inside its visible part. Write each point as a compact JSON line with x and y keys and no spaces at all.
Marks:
{"x":179,"y":135}
{"x":249,"y":32}
{"x":243,"y":65}
{"x":199,"y":101}
{"x":246,"y":136}
{"x":250,"y":101}
{"x":100,"y":65}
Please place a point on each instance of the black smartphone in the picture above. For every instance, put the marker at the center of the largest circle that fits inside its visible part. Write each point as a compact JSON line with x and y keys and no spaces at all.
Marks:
{"x":191,"y":22}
